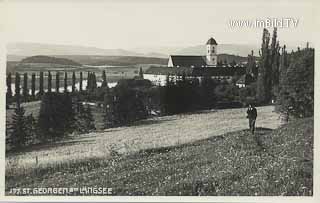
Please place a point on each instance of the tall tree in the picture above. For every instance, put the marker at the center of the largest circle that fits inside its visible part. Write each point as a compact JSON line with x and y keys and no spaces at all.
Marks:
{"x":251,"y":67}
{"x":25,"y":90}
{"x":88,"y":81}
{"x":9,"y":88}
{"x":73,"y":81}
{"x":41,"y":88}
{"x":104,"y":79}
{"x":94,"y":80}
{"x":49,"y":81}
{"x":264,"y":82}
{"x":273,"y":71}
{"x":19,"y":128}
{"x":17,"y":88}
{"x":33,"y":85}
{"x":141,"y":73}
{"x":65,"y":82}
{"x":81,"y":82}
{"x":57,"y":81}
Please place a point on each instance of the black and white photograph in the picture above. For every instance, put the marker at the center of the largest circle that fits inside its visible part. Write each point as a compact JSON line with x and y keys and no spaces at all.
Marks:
{"x":159,"y":98}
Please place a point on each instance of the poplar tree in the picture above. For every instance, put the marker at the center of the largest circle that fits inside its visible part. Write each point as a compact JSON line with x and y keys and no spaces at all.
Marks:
{"x":104,"y":79}
{"x":17,"y":88}
{"x":25,"y":90}
{"x":73,"y":81}
{"x":264,"y":82}
{"x":33,"y":85}
{"x":80,"y":83}
{"x":57,"y":82}
{"x":65,"y":82}
{"x":49,"y":81}
{"x":41,"y":89}
{"x":88,"y":81}
{"x":9,"y":88}
{"x":140,"y":73}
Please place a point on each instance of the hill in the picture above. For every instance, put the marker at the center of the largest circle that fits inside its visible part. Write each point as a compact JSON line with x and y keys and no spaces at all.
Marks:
{"x":280,"y":162}
{"x":49,"y":59}
{"x":100,"y":60}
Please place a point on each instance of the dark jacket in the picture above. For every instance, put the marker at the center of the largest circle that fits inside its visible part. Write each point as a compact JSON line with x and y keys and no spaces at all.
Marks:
{"x":252,"y":113}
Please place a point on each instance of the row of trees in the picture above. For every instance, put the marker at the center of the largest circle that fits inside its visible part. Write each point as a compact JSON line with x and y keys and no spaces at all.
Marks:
{"x":27,"y":95}
{"x":287,"y":79}
{"x":296,"y":85}
{"x":268,"y":75}
{"x":60,"y":113}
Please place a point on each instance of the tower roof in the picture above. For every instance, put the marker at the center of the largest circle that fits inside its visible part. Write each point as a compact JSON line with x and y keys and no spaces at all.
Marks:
{"x":212,"y":41}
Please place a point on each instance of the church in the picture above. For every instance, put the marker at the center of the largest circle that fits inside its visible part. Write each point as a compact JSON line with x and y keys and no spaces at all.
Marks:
{"x":210,"y":60}
{"x":196,"y":66}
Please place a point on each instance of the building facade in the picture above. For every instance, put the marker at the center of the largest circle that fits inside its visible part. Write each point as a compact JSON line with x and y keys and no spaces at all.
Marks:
{"x":196,"y":66}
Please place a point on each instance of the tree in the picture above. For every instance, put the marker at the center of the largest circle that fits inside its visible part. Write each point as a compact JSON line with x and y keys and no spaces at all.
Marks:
{"x":264,"y":82}
{"x":125,"y":105}
{"x":49,"y":81}
{"x":73,"y":81}
{"x":274,"y":64}
{"x":25,"y":90}
{"x":104,"y":79}
{"x":9,"y":88}
{"x":20,"y":133}
{"x":57,"y":82}
{"x":140,"y":73}
{"x":251,"y":67}
{"x":17,"y":88}
{"x":84,"y":121}
{"x":33,"y":85}
{"x":65,"y":82}
{"x":41,"y":88}
{"x":81,"y":81}
{"x":56,"y":116}
{"x":296,"y":95}
{"x":92,"y":82}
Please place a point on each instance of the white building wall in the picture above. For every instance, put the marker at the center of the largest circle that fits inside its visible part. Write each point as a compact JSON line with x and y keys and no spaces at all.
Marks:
{"x":159,"y":80}
{"x":211,"y":55}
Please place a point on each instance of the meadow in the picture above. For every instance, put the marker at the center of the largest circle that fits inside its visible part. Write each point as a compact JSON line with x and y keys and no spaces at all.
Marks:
{"x":227,"y":160}
{"x":146,"y":134}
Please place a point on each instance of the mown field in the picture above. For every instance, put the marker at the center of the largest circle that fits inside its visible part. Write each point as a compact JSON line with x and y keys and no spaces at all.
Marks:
{"x":274,"y":162}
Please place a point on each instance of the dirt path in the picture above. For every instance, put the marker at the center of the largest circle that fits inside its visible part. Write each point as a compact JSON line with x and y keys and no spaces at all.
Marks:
{"x":151,"y":133}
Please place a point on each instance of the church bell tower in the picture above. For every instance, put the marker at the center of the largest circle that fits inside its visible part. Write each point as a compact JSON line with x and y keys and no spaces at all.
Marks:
{"x":212,"y":57}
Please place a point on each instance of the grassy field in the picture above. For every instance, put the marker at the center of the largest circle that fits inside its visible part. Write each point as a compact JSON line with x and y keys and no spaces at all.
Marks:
{"x":147,"y":134}
{"x":275,"y":162}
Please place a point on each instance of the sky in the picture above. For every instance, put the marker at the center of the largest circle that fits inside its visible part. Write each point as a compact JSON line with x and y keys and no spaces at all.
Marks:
{"x":128,"y":24}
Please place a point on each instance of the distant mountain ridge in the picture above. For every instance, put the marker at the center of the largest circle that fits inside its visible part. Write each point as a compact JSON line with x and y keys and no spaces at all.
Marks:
{"x":15,"y":51}
{"x":31,"y":49}
{"x":18,"y":51}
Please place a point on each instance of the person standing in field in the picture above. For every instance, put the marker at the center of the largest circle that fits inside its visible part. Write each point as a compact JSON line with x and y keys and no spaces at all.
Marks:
{"x":252,"y":116}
